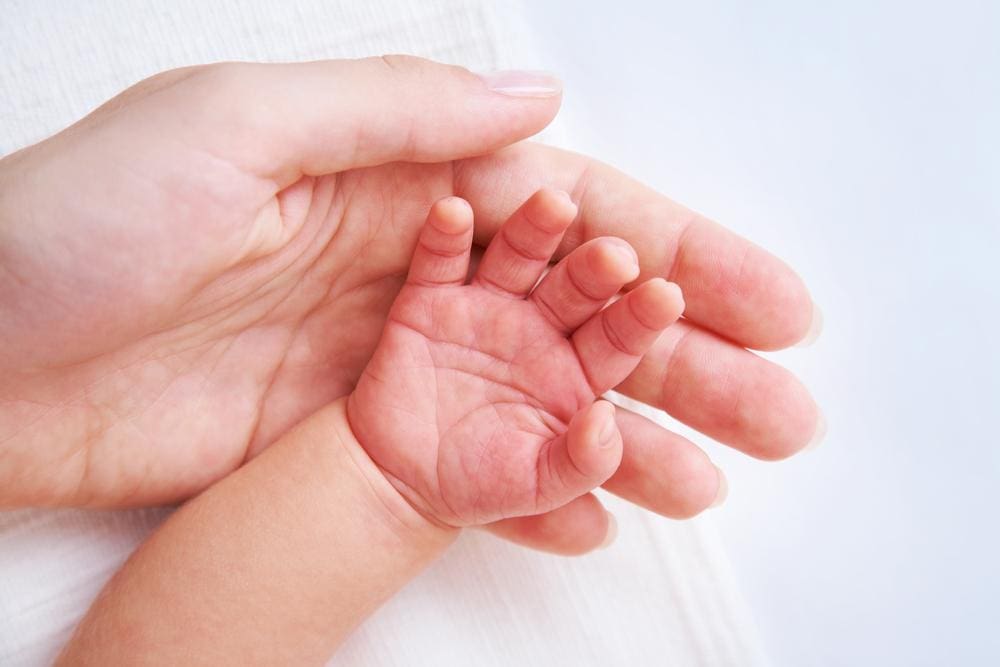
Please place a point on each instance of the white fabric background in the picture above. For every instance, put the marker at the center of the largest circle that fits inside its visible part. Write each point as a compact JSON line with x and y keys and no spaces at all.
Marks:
{"x":860,"y":141}
{"x":662,"y":594}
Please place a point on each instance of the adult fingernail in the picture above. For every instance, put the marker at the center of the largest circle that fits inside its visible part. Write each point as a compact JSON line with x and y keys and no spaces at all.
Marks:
{"x":818,"y":434}
{"x":522,"y":83}
{"x":723,"y":490}
{"x":606,"y":437}
{"x":612,"y":533}
{"x":815,"y":328}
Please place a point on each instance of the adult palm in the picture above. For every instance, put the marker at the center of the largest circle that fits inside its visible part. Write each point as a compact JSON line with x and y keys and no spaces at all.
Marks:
{"x":210,"y":256}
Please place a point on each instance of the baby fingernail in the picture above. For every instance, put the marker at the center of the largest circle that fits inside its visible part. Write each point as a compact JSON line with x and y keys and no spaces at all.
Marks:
{"x":522,"y":83}
{"x":723,"y":491}
{"x":612,"y":533}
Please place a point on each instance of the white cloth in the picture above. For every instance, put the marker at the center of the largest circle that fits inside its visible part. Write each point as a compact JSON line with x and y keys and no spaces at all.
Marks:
{"x":662,"y":594}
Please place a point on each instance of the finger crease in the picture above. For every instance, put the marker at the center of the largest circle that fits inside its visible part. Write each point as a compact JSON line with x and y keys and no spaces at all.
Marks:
{"x":447,"y":254}
{"x":520,"y":251}
{"x":668,"y":369}
{"x":579,"y":287}
{"x":613,"y":337}
{"x":494,"y":286}
{"x":550,"y":314}
{"x":635,"y":316}
{"x":675,"y":261}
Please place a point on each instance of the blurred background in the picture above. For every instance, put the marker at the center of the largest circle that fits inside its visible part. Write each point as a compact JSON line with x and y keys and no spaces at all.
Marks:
{"x":860,"y":141}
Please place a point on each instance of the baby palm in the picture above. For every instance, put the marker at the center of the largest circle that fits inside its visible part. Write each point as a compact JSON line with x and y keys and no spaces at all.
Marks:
{"x":479,"y":402}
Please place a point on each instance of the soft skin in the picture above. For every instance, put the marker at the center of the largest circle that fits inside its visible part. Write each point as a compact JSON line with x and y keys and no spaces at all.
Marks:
{"x":273,"y":565}
{"x":210,"y":257}
{"x":479,"y":404}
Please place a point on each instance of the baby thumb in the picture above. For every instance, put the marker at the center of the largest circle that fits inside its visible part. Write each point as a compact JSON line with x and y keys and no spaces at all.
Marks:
{"x":581,"y":459}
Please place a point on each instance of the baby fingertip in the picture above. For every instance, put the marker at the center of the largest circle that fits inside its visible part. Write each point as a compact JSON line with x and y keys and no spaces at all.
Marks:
{"x":451,"y":215}
{"x":658,"y":303}
{"x":616,"y":259}
{"x":608,"y":434}
{"x":565,"y":195}
{"x":668,"y":292}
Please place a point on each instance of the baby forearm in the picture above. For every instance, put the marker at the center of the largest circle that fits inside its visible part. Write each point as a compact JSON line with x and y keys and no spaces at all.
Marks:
{"x":275,"y":564}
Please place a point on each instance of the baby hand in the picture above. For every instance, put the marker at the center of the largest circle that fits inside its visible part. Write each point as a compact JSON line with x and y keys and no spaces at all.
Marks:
{"x":480,"y":401}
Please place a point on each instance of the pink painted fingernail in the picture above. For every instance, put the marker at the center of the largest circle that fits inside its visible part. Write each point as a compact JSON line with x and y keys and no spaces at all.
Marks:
{"x":522,"y":83}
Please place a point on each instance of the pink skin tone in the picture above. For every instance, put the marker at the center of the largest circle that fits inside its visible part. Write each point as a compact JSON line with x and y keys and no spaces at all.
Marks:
{"x":479,"y":401}
{"x":478,"y":405}
{"x":186,"y":274}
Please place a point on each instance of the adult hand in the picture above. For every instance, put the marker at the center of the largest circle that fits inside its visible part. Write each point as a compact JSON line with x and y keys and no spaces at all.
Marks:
{"x":209,"y":257}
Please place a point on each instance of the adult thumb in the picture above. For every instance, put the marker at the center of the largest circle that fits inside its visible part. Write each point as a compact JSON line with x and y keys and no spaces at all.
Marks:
{"x":285,"y":120}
